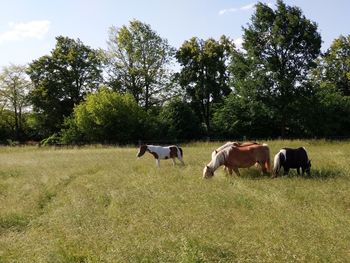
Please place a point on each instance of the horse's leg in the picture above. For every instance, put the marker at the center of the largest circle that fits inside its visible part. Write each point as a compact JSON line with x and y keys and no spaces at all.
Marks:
{"x":226,"y":169}
{"x":236,"y":171}
{"x":157,"y":163}
{"x":298,"y":171}
{"x":182,"y":162}
{"x":285,"y":170}
{"x":302,"y":171}
{"x":173,"y":159}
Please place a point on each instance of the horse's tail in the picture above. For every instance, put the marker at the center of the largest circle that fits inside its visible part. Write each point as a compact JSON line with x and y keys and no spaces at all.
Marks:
{"x":180,"y":152}
{"x":276,"y":164}
{"x":267,"y":162}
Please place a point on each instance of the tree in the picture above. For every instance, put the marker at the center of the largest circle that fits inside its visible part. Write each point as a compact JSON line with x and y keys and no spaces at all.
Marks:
{"x":204,"y":73}
{"x":14,"y":88}
{"x":334,"y":66}
{"x":331,"y":82}
{"x":179,"y":121}
{"x":239,"y":117}
{"x":62,"y":80}
{"x":139,"y":63}
{"x":280,"y":49}
{"x":106,"y":116}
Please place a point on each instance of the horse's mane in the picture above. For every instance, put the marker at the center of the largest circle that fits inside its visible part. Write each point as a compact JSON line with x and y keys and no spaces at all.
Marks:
{"x":218,"y":159}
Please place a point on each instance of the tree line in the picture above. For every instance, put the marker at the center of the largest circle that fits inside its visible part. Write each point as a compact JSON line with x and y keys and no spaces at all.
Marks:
{"x":279,"y":84}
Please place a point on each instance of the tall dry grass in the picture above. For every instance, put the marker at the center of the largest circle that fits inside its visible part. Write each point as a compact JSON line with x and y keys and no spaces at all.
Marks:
{"x":98,"y":204}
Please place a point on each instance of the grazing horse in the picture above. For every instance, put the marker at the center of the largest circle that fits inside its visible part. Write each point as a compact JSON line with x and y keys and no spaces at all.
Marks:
{"x":235,"y":157}
{"x":291,"y":158}
{"x":160,"y":152}
{"x":229,"y":144}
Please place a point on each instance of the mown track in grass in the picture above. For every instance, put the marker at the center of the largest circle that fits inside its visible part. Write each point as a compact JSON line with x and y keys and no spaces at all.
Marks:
{"x":98,"y":204}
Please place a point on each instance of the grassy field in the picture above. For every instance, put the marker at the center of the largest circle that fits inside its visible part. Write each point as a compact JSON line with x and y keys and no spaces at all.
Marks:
{"x":99,"y":204}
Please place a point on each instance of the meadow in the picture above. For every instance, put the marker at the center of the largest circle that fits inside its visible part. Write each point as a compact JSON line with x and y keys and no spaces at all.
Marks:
{"x":101,"y":204}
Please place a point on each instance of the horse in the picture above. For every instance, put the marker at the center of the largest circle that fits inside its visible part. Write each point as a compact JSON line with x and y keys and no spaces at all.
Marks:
{"x":229,"y":144}
{"x":160,"y":152}
{"x":292,"y":158}
{"x":235,"y":157}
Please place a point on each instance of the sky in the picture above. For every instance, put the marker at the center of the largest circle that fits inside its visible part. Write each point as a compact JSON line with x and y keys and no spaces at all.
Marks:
{"x":28,"y":27}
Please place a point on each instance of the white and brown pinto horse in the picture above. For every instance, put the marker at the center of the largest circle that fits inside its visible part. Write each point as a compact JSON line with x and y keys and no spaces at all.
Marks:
{"x":235,"y":157}
{"x":160,"y":152}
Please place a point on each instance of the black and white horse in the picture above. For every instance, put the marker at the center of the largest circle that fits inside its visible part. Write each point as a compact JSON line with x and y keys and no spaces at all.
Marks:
{"x":160,"y":152}
{"x":291,"y":158}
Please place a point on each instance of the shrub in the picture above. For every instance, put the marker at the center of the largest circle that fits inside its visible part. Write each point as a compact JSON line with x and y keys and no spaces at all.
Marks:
{"x":106,"y":116}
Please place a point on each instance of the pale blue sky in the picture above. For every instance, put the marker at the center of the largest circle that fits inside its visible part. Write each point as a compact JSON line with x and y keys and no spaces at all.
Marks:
{"x":28,"y":27}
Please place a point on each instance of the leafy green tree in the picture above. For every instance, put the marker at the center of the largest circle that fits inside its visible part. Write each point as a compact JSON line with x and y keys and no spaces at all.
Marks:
{"x":14,"y":89}
{"x":204,"y":73}
{"x":62,"y":80}
{"x":106,"y":116}
{"x":179,"y":121}
{"x":280,"y":49}
{"x":331,"y":82}
{"x":334,"y":66}
{"x":6,"y":125}
{"x":240,"y":117}
{"x":140,"y":63}
{"x":328,"y":115}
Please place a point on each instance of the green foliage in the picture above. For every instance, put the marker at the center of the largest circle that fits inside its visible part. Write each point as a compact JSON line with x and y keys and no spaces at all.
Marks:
{"x":54,"y":139}
{"x":334,"y":66}
{"x":329,"y":114}
{"x":204,"y":73}
{"x":139,"y":63}
{"x":14,"y":89}
{"x":62,"y":79}
{"x":6,"y":125}
{"x":239,"y":117}
{"x":271,"y":88}
{"x":281,"y":46}
{"x":179,"y":121}
{"x":107,"y":116}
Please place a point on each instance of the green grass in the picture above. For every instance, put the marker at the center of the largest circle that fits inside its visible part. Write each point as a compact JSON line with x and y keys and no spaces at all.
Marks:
{"x":98,"y":204}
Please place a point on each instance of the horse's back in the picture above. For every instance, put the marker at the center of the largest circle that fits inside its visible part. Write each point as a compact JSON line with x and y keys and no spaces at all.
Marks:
{"x":175,"y":151}
{"x":296,"y":157}
{"x":243,"y":157}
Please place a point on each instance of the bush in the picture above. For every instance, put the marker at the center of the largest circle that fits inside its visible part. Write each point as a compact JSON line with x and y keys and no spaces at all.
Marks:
{"x":54,"y":139}
{"x":106,"y":116}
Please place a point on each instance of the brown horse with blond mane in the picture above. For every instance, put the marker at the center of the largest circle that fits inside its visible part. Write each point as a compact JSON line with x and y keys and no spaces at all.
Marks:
{"x":229,"y":144}
{"x":234,"y":157}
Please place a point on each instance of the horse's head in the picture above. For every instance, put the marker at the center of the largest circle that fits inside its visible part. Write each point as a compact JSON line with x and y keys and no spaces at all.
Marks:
{"x":142,"y":150}
{"x":208,"y":172}
{"x":308,"y":167}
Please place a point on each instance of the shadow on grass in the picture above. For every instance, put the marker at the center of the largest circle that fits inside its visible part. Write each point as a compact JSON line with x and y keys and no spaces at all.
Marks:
{"x":322,"y":173}
{"x":8,"y":174}
{"x":13,"y":222}
{"x":254,"y":174}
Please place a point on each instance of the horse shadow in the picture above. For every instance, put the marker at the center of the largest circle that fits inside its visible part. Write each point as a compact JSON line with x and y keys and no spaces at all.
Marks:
{"x":319,"y":173}
{"x":253,"y":174}
{"x":323,"y":173}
